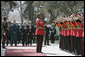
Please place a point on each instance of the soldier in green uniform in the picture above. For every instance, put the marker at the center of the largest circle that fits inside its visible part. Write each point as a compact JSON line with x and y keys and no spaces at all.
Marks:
{"x":5,"y":31}
{"x":8,"y":39}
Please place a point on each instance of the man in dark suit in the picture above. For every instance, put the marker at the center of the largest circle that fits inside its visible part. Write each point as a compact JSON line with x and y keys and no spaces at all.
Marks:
{"x":14,"y":32}
{"x":24,"y":33}
{"x":46,"y":35}
{"x":31,"y":32}
{"x":34,"y":36}
{"x":53,"y":31}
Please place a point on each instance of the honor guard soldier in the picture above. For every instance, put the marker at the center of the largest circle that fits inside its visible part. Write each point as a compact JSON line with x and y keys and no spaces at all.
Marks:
{"x":40,"y":32}
{"x":61,"y":35}
{"x":5,"y":31}
{"x":65,"y":34}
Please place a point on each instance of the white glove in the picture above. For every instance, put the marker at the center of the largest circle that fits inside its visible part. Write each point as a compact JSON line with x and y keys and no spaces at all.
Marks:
{"x":28,"y":33}
{"x":4,"y":33}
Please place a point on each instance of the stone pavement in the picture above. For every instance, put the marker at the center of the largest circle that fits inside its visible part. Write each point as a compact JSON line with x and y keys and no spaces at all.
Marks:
{"x":52,"y":50}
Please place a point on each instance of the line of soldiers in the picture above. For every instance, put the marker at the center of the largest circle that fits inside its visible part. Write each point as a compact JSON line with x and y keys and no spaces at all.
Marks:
{"x":72,"y":33}
{"x":13,"y":33}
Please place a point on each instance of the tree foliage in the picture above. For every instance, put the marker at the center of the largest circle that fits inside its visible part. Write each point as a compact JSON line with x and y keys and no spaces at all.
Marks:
{"x":50,"y":9}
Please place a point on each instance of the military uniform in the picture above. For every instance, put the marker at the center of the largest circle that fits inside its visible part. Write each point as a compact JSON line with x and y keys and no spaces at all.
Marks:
{"x":82,"y":36}
{"x":40,"y":31}
{"x":5,"y":33}
{"x":79,"y":39}
{"x":65,"y":36}
{"x":74,"y":39}
{"x":61,"y":36}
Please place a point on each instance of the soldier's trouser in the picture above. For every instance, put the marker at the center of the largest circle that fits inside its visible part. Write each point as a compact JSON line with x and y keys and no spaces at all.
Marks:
{"x":39,"y":43}
{"x":82,"y":49}
{"x":46,"y":40}
{"x":60,"y":41}
{"x":64,"y":43}
{"x":83,"y":46}
{"x":7,"y":42}
{"x":69,"y":43}
{"x":8,"y":38}
{"x":79,"y":48}
{"x":4,"y":39}
{"x":74,"y":43}
{"x":65,"y":40}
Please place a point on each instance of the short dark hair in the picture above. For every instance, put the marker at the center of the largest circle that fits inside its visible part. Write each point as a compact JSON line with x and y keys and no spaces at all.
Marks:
{"x":39,"y":14}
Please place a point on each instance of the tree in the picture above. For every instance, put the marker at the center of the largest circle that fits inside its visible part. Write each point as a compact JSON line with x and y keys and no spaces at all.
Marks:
{"x":29,"y":9}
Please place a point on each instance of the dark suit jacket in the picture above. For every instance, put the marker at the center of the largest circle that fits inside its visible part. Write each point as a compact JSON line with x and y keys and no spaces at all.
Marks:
{"x":46,"y":30}
{"x":14,"y":28}
{"x":32,"y":30}
{"x":25,"y":31}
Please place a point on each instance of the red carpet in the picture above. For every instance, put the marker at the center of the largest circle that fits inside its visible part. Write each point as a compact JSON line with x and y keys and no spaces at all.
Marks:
{"x":23,"y":52}
{"x":23,"y":46}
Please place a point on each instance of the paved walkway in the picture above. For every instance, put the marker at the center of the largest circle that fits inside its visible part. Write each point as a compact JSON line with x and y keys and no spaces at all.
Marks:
{"x":52,"y":50}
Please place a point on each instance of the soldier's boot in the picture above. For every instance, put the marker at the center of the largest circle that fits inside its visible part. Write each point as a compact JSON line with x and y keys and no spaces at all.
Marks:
{"x":3,"y":45}
{"x":7,"y":43}
{"x":15,"y":43}
{"x":11,"y":44}
{"x":23,"y":44}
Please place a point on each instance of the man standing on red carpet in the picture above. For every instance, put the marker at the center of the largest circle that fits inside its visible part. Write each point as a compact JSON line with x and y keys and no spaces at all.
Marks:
{"x":40,"y":32}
